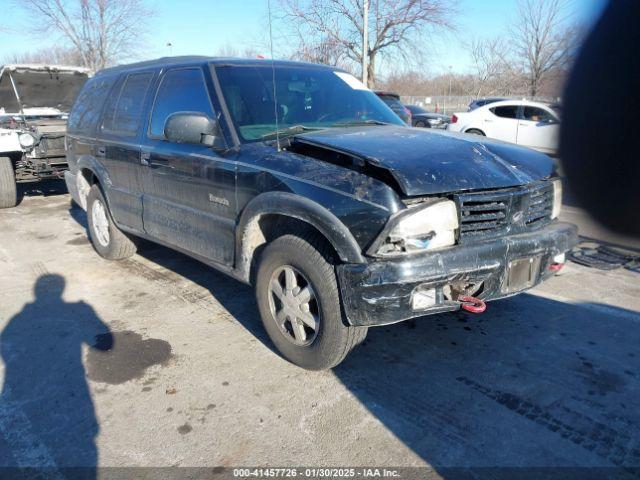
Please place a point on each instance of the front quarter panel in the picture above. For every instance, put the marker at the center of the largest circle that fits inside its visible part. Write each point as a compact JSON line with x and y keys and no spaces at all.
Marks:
{"x":361,"y":203}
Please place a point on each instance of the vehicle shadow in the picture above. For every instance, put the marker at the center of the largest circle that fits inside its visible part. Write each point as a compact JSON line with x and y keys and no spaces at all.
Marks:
{"x":47,"y":417}
{"x":235,"y":297}
{"x":45,"y":188}
{"x":531,"y":383}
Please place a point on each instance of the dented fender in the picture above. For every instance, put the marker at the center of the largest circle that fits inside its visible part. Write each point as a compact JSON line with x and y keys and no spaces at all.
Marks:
{"x":301,"y":208}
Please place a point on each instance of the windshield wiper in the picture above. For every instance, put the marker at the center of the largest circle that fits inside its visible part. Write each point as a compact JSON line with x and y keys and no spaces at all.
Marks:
{"x":284,"y":132}
{"x":351,"y":123}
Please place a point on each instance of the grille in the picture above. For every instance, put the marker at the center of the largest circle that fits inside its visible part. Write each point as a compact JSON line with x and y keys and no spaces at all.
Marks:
{"x":540,"y":205}
{"x":479,"y":214}
{"x":492,"y":213}
{"x":50,"y":146}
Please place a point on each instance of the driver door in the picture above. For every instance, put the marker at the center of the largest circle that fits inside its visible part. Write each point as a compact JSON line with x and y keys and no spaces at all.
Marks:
{"x":189,"y":189}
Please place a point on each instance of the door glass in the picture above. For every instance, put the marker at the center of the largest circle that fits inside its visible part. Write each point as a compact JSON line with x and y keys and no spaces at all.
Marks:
{"x":506,"y":111}
{"x":534,"y":114}
{"x":180,"y":91}
{"x":123,"y":117}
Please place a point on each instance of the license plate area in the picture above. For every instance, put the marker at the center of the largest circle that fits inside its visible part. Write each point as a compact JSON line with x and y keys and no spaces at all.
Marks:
{"x":521,"y":274}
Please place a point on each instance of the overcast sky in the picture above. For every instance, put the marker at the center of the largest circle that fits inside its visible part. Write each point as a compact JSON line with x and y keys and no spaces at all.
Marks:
{"x":203,"y":27}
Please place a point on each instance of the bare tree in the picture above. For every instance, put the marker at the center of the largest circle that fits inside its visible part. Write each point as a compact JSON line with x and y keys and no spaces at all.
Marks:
{"x":395,"y":26}
{"x":542,"y":39}
{"x":102,"y":31}
{"x":326,"y":51}
{"x":494,"y":70}
{"x":54,"y":55}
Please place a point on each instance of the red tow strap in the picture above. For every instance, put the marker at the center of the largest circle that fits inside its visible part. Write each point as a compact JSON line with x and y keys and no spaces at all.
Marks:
{"x":472,"y":304}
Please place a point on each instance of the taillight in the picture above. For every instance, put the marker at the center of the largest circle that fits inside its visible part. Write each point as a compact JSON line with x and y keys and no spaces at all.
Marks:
{"x":454,"y":119}
{"x":409,"y":114}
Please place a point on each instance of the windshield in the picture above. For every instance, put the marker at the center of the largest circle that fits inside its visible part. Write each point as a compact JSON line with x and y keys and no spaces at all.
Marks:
{"x":307,"y":97}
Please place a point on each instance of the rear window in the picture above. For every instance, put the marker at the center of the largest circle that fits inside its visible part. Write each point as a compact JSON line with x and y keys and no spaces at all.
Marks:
{"x":506,"y":111}
{"x":123,"y":112}
{"x":85,"y":113}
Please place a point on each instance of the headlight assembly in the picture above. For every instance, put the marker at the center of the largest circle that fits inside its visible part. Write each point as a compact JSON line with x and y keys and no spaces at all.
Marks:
{"x":26,"y":140}
{"x":557,"y":198}
{"x":420,"y":228}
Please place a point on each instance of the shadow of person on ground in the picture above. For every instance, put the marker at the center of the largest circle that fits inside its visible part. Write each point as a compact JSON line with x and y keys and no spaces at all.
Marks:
{"x":47,"y":417}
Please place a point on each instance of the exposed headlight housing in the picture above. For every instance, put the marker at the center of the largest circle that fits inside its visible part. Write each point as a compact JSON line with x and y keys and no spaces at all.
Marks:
{"x":557,"y":198}
{"x":26,"y":140}
{"x":425,"y":227}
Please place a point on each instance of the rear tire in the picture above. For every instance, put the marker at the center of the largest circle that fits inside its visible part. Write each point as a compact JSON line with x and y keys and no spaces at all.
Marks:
{"x":107,"y":239}
{"x":8,"y":187}
{"x":326,"y":339}
{"x":475,"y":131}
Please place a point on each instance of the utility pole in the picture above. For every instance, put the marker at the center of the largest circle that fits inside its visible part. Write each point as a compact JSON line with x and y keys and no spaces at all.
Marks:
{"x":449,"y":83}
{"x":365,"y":42}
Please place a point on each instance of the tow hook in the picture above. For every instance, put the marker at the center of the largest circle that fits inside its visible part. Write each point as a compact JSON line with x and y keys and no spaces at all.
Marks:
{"x":472,"y":304}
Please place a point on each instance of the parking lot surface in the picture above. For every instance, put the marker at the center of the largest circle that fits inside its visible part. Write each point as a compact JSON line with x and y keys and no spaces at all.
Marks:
{"x":160,"y":361}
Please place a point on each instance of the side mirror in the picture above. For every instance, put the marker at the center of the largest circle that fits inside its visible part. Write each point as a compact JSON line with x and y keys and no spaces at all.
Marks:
{"x":194,"y":128}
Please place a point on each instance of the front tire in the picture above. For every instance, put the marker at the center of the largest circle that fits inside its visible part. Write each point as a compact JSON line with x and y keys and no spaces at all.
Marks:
{"x":8,"y":187}
{"x":107,"y":239}
{"x":299,"y":302}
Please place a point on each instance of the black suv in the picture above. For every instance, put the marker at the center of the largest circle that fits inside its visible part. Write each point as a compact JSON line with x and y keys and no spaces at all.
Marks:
{"x":339,"y":215}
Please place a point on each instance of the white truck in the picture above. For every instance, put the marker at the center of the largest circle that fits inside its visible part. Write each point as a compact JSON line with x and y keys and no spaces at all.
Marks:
{"x":34,"y":105}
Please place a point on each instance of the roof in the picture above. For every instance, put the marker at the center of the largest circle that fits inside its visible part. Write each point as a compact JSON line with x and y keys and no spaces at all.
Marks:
{"x":201,"y":60}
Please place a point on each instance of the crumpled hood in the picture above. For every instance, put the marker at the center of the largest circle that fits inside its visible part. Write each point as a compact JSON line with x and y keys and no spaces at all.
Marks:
{"x":425,"y":162}
{"x":40,"y":86}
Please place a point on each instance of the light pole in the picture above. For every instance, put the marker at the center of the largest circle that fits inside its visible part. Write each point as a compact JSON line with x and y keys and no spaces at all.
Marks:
{"x":365,"y":42}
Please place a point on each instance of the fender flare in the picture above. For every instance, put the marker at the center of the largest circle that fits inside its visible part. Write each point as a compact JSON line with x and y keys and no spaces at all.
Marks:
{"x":301,"y":208}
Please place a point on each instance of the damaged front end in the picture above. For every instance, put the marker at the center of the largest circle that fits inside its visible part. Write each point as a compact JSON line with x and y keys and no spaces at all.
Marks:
{"x":34,"y":101}
{"x":505,"y":241}
{"x":38,"y":148}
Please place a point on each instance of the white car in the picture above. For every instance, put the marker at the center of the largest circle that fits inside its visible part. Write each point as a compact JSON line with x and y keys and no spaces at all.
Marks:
{"x":530,"y":124}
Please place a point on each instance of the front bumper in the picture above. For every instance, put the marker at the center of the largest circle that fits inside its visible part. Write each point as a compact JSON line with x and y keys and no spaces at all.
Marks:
{"x":380,"y":292}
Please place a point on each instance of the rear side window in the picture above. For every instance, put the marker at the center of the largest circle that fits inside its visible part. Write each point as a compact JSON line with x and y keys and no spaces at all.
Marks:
{"x":506,"y":111}
{"x":123,"y":111}
{"x":181,"y":90}
{"x":85,"y":113}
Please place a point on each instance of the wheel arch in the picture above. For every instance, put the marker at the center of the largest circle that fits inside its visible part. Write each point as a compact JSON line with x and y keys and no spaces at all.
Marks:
{"x":272,"y":214}
{"x":92,"y":172}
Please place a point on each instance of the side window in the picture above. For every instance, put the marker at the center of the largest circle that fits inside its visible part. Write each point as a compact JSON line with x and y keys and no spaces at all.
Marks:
{"x":123,"y":112}
{"x":506,"y":111}
{"x":85,"y":113}
{"x":181,"y":90}
{"x":535,"y":114}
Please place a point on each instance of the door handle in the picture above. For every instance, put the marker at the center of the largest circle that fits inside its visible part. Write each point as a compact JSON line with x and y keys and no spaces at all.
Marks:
{"x":487,"y":120}
{"x":523,"y":124}
{"x":101,"y":152}
{"x":144,"y":158}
